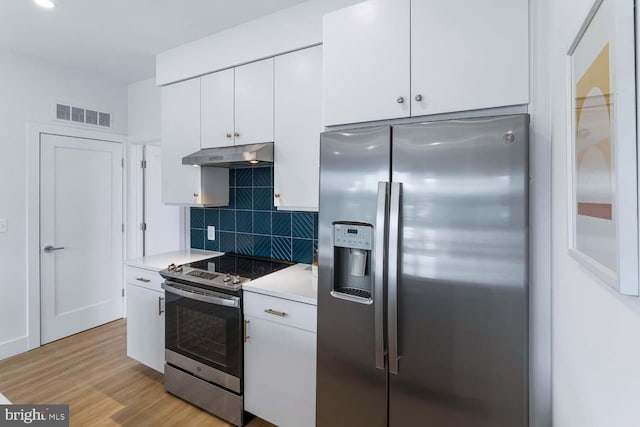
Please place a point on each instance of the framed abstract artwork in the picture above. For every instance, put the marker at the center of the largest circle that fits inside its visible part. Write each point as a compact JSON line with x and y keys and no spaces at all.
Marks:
{"x":603,"y":154}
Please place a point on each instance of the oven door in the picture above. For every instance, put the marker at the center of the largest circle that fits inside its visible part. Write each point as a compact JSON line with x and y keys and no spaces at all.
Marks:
{"x":203,"y":333}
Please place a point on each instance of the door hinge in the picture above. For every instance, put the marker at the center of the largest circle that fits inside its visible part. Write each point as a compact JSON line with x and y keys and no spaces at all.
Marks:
{"x":122,"y":162}
{"x":143,"y":164}
{"x":123,"y":228}
{"x":122,"y":291}
{"x":143,"y":226}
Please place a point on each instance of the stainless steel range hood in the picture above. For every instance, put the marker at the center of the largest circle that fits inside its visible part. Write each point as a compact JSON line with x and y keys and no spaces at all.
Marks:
{"x":234,"y":156}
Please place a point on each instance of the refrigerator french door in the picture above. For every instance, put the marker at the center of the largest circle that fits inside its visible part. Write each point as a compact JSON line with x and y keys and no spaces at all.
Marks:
{"x":423,"y":275}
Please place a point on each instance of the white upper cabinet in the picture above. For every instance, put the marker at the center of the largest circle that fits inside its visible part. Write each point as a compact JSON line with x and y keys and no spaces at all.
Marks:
{"x":468,"y":54}
{"x":237,"y":105}
{"x":254,"y":102}
{"x":386,"y":59}
{"x":184,"y":184}
{"x":217,"y":109}
{"x":298,"y":123}
{"x":180,"y":114}
{"x":366,"y":62}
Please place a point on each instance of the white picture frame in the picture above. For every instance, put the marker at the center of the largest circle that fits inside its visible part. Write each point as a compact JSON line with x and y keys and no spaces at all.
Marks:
{"x":602,"y":149}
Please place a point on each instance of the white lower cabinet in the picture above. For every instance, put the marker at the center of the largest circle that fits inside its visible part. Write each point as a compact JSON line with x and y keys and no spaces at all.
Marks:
{"x":279,"y":361}
{"x":145,"y":323}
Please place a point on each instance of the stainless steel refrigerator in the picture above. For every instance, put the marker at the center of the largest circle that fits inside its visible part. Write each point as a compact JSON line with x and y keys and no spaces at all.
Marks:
{"x":423,"y":275}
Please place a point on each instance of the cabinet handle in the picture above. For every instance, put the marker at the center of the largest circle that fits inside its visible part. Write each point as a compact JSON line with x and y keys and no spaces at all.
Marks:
{"x":418,"y":97}
{"x":246,"y":329}
{"x":276,"y":312}
{"x":160,"y":310}
{"x":236,"y":134}
{"x":143,"y":280}
{"x":228,"y":135}
{"x":400,"y":99}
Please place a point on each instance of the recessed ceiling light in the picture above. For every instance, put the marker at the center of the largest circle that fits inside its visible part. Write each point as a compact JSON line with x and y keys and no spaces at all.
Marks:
{"x":47,"y":4}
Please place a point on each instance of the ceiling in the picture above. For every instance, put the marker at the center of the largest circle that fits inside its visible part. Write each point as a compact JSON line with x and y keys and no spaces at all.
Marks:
{"x":119,"y":38}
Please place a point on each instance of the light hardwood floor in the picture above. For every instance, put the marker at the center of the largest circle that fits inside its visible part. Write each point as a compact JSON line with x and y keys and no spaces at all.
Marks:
{"x":91,"y":372}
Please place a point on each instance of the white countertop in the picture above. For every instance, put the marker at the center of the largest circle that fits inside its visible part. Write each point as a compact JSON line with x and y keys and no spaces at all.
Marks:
{"x":161,"y":261}
{"x":294,"y":283}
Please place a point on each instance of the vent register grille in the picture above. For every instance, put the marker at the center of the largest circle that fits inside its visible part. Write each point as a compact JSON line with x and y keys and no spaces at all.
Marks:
{"x":71,"y":113}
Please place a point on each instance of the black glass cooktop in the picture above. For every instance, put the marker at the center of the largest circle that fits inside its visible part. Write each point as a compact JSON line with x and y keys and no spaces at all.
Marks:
{"x":240,"y":265}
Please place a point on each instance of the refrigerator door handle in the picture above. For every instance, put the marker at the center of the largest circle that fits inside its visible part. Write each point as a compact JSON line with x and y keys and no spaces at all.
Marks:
{"x":378,"y":286}
{"x":392,"y":308}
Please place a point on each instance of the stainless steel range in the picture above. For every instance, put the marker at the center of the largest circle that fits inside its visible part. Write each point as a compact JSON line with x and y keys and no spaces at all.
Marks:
{"x":204,"y":330}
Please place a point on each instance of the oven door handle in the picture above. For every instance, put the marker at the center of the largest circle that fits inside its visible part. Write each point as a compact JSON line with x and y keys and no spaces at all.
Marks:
{"x":203,"y":296}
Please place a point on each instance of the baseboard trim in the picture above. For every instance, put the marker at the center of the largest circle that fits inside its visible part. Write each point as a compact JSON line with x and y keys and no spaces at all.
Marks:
{"x":13,"y":347}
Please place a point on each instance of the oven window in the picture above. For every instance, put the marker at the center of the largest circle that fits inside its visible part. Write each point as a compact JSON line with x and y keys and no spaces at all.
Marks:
{"x":203,"y":335}
{"x":205,"y":332}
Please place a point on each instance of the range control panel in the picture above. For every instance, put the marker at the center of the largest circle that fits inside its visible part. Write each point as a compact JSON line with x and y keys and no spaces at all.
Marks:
{"x":347,"y":235}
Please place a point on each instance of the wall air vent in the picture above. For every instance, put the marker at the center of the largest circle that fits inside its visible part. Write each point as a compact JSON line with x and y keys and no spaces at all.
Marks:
{"x":81,"y":115}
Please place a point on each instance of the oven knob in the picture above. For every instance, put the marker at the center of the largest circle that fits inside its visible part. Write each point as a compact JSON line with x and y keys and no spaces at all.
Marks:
{"x":171,"y":267}
{"x":236,"y":280}
{"x":178,"y":269}
{"x":226,"y":279}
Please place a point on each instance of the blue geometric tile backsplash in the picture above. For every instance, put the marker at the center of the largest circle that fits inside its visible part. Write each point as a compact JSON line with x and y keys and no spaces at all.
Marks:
{"x":251,"y":225}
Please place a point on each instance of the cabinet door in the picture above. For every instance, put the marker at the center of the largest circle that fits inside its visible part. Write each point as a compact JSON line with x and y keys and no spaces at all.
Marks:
{"x":298,"y":123}
{"x":145,"y":326}
{"x":468,"y":54}
{"x":280,"y":373}
{"x":217,"y":109}
{"x":254,"y":102}
{"x":366,"y":62}
{"x":180,"y":113}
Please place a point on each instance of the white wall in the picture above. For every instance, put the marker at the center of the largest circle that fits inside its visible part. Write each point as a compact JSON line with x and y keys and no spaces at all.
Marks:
{"x":29,"y":89}
{"x":595,"y":334}
{"x":290,"y":29}
{"x":540,"y":221}
{"x":144,"y":112}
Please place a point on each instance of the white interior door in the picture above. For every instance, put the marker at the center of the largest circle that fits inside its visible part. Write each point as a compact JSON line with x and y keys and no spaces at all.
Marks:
{"x":81,"y":220}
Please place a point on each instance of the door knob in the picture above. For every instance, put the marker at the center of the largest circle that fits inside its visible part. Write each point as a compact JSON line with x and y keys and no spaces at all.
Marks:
{"x":50,"y":248}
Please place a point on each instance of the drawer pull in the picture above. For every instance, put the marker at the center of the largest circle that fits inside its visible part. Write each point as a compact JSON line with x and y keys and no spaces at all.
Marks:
{"x":246,"y":329}
{"x":275,"y":312}
{"x":160,"y":310}
{"x":143,"y":280}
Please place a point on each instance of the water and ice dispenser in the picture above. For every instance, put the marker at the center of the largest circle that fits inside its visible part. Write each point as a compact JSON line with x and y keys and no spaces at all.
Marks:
{"x":352,"y":261}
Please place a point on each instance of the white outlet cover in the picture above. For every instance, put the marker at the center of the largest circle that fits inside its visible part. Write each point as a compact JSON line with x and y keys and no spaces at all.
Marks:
{"x":211,"y":232}
{"x":3,"y":225}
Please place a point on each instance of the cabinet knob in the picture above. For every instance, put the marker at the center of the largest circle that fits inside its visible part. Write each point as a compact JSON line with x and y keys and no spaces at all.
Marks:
{"x":236,"y":134}
{"x":228,"y":135}
{"x":418,"y":97}
{"x":400,"y":99}
{"x":195,"y":195}
{"x":276,"y":195}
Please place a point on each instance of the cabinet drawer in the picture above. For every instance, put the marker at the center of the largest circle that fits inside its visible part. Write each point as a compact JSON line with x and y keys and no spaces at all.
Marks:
{"x":145,"y":278}
{"x":286,"y":312}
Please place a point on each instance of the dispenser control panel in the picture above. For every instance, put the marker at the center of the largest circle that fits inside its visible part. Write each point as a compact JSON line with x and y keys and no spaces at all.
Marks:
{"x":353,"y":236}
